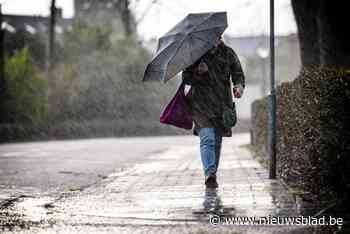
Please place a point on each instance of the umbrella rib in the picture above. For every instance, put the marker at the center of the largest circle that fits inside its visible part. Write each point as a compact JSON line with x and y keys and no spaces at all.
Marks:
{"x":206,"y":29}
{"x":160,"y":52}
{"x":204,"y":20}
{"x":201,"y":39}
{"x":171,"y":35}
{"x":207,"y":18}
{"x":156,"y":56}
{"x":177,"y":49}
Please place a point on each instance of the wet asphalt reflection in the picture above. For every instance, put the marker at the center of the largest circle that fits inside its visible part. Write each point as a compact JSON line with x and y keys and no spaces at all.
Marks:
{"x":161,"y":192}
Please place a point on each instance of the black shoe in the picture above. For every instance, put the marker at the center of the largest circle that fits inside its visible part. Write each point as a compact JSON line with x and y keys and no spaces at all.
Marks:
{"x":210,"y":181}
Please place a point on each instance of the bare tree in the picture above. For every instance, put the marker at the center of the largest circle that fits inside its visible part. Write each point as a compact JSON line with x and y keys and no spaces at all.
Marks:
{"x":52,"y":34}
{"x":126,"y":16}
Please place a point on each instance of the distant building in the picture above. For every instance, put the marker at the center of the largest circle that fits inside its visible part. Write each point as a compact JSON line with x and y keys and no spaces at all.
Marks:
{"x":253,"y":49}
{"x":33,"y":24}
{"x":253,"y":52}
{"x":110,"y":11}
{"x":96,"y":8}
{"x":105,"y":11}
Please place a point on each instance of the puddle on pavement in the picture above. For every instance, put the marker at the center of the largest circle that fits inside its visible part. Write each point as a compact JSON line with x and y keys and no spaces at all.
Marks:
{"x":212,"y":204}
{"x":25,"y":212}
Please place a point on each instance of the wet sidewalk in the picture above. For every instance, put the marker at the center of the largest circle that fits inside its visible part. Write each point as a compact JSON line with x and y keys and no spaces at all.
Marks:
{"x":166,"y":194}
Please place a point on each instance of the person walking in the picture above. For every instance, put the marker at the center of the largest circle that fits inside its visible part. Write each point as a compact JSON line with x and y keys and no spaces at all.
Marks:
{"x":210,"y":80}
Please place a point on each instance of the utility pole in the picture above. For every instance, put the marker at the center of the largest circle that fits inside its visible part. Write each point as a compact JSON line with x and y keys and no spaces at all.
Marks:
{"x":126,"y":16}
{"x":52,"y":35}
{"x":51,"y":54}
{"x":2,"y":57}
{"x":271,"y":138}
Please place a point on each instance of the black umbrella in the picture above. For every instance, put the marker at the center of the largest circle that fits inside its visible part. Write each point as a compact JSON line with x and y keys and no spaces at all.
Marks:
{"x":184,"y":44}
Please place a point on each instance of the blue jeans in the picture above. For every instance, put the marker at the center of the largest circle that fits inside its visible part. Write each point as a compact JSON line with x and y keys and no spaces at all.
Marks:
{"x":210,"y":148}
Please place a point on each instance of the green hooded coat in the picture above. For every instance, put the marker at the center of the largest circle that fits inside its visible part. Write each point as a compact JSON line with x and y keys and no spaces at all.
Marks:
{"x":211,"y":92}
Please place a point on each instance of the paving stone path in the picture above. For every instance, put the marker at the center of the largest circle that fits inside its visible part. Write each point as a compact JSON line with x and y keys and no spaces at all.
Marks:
{"x":166,"y":194}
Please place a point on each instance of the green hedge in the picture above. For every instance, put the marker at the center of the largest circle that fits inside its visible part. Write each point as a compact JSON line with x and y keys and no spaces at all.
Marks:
{"x":313,"y":132}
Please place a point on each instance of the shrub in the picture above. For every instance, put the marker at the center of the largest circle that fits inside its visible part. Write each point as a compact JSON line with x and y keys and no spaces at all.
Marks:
{"x":100,"y":79}
{"x":25,"y":98}
{"x":313,"y":132}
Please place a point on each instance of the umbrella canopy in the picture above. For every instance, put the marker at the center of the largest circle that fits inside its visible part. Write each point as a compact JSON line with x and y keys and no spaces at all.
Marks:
{"x":184,"y":44}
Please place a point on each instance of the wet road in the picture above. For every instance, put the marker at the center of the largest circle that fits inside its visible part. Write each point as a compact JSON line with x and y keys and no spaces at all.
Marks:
{"x":61,"y":165}
{"x":149,"y":185}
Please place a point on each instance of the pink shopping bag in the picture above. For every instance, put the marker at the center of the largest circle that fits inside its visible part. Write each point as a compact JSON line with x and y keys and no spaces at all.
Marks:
{"x":178,"y":111}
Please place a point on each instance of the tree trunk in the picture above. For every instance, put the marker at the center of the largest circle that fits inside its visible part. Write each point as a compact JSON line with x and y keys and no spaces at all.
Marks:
{"x":2,"y":58}
{"x":334,"y":36}
{"x":306,"y":16}
{"x":322,"y":29}
{"x":126,"y":16}
{"x":325,"y":92}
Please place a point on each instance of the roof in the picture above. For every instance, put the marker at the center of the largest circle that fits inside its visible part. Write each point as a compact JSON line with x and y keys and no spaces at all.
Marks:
{"x":33,"y":22}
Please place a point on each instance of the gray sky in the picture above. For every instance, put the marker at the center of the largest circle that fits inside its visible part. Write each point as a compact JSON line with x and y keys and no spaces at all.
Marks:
{"x":246,"y":17}
{"x":37,"y":7}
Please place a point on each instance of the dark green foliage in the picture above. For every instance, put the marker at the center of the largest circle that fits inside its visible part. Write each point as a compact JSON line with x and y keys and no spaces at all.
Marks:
{"x":94,"y":89}
{"x":85,"y":38}
{"x":24,"y":100}
{"x":21,"y":39}
{"x":313,"y":132}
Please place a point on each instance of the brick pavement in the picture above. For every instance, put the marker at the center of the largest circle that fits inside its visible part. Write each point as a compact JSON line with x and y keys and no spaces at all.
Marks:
{"x":166,"y":194}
